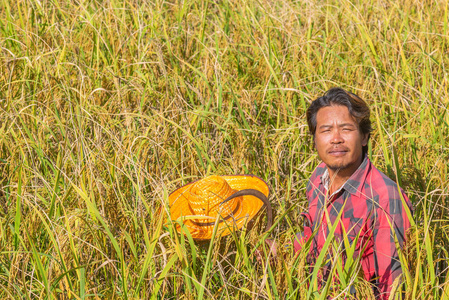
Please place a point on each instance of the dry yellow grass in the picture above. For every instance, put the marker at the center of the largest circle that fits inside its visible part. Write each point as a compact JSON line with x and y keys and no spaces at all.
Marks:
{"x":106,"y":106}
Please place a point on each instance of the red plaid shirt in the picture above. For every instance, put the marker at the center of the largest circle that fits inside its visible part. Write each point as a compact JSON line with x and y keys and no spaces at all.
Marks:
{"x":372,"y":204}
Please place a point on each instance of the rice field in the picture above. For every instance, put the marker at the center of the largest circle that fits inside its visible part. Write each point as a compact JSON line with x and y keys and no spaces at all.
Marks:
{"x":108,"y":106}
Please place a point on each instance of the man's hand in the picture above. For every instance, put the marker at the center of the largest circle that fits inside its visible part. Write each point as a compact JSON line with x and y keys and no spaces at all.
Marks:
{"x":272,"y":251}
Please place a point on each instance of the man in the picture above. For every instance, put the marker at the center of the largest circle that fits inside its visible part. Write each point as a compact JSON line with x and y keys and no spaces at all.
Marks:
{"x":374,"y":215}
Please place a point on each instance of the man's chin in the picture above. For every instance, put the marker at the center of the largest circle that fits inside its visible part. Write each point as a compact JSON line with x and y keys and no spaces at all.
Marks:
{"x":337,"y":167}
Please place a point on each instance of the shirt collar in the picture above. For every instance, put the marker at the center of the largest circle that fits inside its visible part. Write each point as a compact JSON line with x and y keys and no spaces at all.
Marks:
{"x":354,"y":182}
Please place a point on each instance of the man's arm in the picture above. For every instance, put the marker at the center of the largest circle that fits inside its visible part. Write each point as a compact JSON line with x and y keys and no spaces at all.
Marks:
{"x":391,"y":226}
{"x":302,"y":237}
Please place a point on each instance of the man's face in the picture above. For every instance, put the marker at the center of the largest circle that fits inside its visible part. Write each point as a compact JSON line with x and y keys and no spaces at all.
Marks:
{"x":338,"y":139}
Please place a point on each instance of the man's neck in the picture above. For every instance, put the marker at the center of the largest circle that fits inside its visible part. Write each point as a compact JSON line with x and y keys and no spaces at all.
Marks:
{"x":335,"y":181}
{"x":338,"y":177}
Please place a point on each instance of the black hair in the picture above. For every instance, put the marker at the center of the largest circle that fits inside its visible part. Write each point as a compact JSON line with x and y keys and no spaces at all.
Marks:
{"x":337,"y":96}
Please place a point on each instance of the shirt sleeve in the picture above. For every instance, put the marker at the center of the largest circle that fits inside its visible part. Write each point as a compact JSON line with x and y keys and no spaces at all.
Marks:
{"x":391,"y":224}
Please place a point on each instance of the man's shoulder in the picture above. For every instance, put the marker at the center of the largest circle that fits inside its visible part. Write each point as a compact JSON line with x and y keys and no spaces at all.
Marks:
{"x":382,"y":185}
{"x":380,"y":178}
{"x":315,"y":178}
{"x":318,"y":172}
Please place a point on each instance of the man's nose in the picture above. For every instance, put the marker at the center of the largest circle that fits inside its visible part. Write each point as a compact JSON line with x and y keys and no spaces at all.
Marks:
{"x":336,"y":137}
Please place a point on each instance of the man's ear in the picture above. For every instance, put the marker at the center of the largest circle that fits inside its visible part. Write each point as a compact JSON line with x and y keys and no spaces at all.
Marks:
{"x":365,"y":138}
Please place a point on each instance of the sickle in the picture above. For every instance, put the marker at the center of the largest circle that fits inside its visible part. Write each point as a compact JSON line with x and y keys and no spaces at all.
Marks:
{"x":247,"y":192}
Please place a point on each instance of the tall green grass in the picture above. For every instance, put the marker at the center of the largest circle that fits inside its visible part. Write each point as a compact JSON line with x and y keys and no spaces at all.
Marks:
{"x":107,"y":106}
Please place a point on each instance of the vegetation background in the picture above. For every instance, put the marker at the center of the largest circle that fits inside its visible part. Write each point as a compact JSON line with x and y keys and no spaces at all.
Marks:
{"x":107,"y":106}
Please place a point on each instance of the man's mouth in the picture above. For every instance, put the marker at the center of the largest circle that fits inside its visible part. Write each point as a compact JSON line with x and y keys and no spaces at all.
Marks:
{"x":338,"y":152}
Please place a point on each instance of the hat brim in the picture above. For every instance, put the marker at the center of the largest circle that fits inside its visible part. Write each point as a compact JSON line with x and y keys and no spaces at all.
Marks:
{"x":248,"y":206}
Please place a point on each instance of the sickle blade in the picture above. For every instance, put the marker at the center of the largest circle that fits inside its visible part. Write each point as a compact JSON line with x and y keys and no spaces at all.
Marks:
{"x":246,"y":192}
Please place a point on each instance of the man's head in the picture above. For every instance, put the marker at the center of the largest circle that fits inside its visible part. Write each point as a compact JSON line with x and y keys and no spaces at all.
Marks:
{"x":340,"y":125}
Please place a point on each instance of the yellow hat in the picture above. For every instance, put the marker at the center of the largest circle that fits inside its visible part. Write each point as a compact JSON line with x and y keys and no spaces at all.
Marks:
{"x":237,"y":199}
